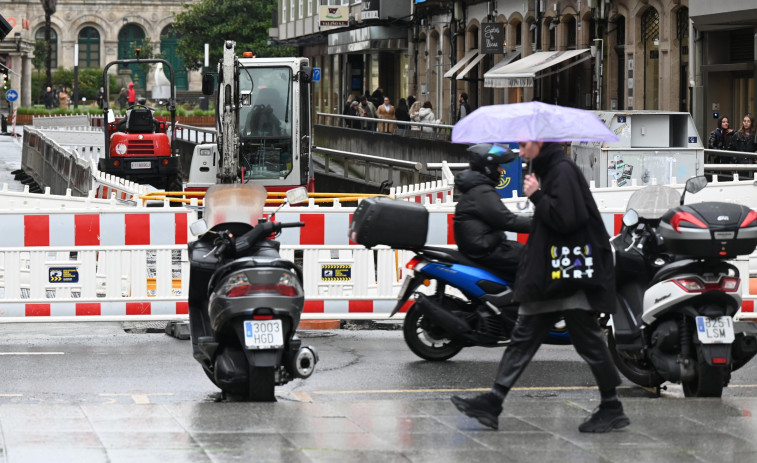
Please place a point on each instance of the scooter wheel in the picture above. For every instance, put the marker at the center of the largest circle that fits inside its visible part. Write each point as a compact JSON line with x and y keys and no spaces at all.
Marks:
{"x":426,"y":340}
{"x":708,"y":382}
{"x":637,"y":370}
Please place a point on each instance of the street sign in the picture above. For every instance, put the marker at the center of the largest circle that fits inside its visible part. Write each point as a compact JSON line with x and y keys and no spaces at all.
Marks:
{"x":316,"y":74}
{"x":11,"y":95}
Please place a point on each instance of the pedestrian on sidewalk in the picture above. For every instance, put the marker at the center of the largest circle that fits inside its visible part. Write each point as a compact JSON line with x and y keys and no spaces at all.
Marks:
{"x":564,"y":210}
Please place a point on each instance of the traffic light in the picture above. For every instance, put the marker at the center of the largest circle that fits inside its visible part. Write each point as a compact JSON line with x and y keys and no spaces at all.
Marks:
{"x":4,"y":78}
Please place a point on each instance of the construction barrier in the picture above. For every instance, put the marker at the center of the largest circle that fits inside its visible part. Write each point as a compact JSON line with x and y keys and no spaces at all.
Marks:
{"x":120,"y":263}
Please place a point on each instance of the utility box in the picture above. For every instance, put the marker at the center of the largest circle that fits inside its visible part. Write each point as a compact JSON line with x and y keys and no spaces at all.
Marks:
{"x":652,"y":145}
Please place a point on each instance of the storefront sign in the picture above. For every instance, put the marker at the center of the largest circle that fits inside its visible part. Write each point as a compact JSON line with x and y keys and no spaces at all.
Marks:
{"x":370,"y":10}
{"x":492,"y":38}
{"x":334,"y":16}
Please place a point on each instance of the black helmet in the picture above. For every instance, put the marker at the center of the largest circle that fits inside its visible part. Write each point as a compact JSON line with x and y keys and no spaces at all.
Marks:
{"x":486,"y":157}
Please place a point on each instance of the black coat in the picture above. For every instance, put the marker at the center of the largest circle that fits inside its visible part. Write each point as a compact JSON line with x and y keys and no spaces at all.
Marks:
{"x":743,"y":142}
{"x":563,"y":205}
{"x":481,"y":218}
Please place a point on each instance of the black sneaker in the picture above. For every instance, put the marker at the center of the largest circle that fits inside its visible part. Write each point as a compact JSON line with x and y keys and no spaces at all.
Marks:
{"x":605,"y":419}
{"x":484,"y":407}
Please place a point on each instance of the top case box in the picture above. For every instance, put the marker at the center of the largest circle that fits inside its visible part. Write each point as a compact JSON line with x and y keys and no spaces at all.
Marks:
{"x":391,"y":222}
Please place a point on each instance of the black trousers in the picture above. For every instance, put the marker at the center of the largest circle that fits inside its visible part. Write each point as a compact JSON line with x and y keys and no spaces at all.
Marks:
{"x":585,"y":334}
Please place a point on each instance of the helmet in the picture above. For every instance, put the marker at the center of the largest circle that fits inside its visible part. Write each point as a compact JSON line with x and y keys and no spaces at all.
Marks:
{"x":486,"y":157}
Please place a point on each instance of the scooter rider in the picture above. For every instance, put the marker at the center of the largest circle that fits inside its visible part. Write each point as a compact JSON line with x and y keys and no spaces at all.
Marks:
{"x":481,"y":219}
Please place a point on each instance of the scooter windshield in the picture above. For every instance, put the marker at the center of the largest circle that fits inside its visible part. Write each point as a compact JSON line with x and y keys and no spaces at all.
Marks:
{"x":234,"y":203}
{"x":653,"y":201}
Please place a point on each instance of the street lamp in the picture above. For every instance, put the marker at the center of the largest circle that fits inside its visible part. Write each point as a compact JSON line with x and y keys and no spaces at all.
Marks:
{"x":598,"y":69}
{"x":76,"y":75}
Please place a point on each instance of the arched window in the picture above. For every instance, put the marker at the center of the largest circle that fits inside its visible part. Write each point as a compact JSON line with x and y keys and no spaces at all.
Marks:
{"x":169,"y":42}
{"x":40,"y":36}
{"x":89,"y":48}
{"x":570,"y":25}
{"x":650,"y":33}
{"x":620,"y":52}
{"x":131,"y":36}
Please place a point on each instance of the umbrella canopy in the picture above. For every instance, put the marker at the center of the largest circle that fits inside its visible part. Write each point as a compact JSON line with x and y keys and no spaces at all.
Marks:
{"x":533,"y":121}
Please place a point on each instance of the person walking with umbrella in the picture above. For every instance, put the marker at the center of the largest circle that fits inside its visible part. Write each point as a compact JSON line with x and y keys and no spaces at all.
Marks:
{"x":564,"y":212}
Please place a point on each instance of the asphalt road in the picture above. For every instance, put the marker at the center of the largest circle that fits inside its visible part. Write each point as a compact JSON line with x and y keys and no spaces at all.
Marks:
{"x":100,"y":362}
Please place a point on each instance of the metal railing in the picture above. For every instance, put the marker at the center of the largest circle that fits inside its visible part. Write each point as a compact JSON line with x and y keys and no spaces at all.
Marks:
{"x":403,"y":128}
{"x":349,"y":161}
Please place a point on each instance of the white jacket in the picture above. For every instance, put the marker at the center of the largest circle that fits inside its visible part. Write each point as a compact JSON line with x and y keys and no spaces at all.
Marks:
{"x":426,"y":115}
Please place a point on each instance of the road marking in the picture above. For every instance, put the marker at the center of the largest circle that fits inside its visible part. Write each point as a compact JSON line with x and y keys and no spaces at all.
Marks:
{"x":31,"y":353}
{"x":139,"y":399}
{"x":11,"y":395}
{"x":479,"y":389}
{"x":302,"y":396}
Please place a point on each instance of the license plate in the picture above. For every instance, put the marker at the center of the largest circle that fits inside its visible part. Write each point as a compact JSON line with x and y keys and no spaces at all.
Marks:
{"x":263,"y":334}
{"x":141,"y":165}
{"x":405,"y":284}
{"x":717,"y":330}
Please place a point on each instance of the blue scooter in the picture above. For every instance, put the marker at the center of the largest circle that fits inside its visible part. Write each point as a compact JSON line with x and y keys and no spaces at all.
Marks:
{"x":440,"y":325}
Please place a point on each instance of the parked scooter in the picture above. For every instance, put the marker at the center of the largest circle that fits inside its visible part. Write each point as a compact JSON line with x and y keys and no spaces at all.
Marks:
{"x":677,"y":294}
{"x":245,"y":301}
{"x":470,"y":305}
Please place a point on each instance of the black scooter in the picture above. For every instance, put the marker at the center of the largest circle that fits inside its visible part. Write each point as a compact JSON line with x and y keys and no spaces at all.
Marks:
{"x":245,"y":301}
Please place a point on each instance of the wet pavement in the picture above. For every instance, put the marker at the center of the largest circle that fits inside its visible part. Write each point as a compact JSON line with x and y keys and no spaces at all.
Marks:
{"x":531,"y":430}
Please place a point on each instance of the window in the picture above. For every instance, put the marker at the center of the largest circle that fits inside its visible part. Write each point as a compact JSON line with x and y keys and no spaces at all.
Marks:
{"x":291,"y":10}
{"x":650,"y":30}
{"x":40,"y":36}
{"x":300,"y":10}
{"x":284,"y":11}
{"x":89,"y":48}
{"x":310,"y":7}
{"x":571,"y":26}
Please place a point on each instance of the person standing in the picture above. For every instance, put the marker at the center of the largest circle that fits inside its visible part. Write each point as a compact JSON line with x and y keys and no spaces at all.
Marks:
{"x":402,"y":113}
{"x":415,"y":114}
{"x":743,"y":140}
{"x":386,"y":112}
{"x":464,"y":106}
{"x":48,"y":98}
{"x":131,"y":95}
{"x":563,"y":206}
{"x":367,"y":109}
{"x":101,"y":97}
{"x":426,"y":114}
{"x":122,"y":99}
{"x":63,"y":98}
{"x":353,"y":111}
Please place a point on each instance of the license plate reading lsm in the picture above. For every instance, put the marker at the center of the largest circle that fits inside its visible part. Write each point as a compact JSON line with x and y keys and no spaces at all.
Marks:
{"x":717,"y":330}
{"x":263,"y":334}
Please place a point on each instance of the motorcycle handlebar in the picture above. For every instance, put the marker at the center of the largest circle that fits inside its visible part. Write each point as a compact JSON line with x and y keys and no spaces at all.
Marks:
{"x":261,"y":231}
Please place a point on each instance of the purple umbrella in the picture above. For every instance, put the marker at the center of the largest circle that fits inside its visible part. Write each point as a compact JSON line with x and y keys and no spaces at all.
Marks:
{"x":533,"y":121}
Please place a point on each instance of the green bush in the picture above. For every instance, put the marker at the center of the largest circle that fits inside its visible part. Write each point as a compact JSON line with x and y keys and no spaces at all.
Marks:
{"x":90,"y":81}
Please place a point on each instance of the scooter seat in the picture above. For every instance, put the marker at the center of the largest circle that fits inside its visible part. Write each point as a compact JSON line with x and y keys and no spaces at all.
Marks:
{"x":456,"y":257}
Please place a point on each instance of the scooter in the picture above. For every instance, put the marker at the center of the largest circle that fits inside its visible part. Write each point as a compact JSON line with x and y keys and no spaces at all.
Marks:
{"x":245,"y":301}
{"x":440,"y":325}
{"x":678,"y":294}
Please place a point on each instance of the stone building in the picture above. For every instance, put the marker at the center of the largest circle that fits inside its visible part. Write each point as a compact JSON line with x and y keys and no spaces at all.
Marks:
{"x":636,"y":49}
{"x":104,"y":31}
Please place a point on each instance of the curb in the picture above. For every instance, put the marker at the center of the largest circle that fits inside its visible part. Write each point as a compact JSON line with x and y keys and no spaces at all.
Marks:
{"x":319,"y":325}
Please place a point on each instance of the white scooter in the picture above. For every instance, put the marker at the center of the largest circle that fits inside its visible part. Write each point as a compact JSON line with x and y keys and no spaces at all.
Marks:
{"x":677,"y":294}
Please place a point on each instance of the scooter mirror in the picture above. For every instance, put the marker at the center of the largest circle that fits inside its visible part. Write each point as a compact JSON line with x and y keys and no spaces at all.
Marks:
{"x":297,"y":195}
{"x":630,"y":218}
{"x":696,"y":184}
{"x":109,"y":116}
{"x":198,"y":228}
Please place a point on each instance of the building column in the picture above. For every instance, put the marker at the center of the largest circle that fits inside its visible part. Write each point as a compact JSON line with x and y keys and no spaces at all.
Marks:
{"x":26,"y":82}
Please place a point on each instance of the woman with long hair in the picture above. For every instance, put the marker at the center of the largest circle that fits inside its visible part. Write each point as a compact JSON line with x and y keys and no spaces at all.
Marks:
{"x":720,"y":139}
{"x":743,"y":140}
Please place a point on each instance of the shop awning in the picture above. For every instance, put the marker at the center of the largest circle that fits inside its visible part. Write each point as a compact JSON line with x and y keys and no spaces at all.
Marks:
{"x":509,"y":58}
{"x":459,"y":65}
{"x":523,"y":72}
{"x":461,"y":75}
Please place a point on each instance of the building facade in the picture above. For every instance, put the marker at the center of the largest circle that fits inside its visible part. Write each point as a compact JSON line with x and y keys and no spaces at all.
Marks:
{"x":724,"y":35}
{"x":618,"y":54}
{"x":104,"y":30}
